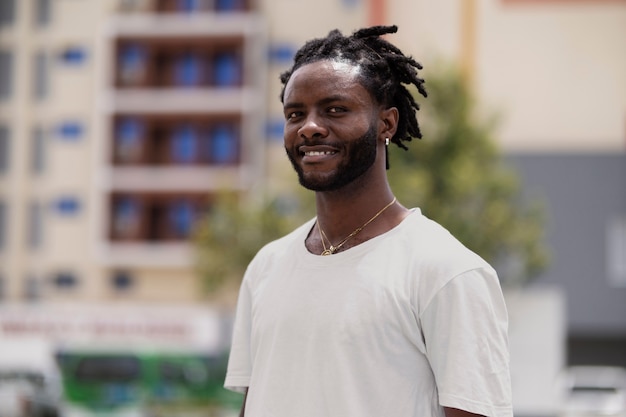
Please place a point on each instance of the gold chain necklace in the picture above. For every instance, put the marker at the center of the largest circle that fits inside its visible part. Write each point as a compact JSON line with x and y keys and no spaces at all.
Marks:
{"x":332,"y":249}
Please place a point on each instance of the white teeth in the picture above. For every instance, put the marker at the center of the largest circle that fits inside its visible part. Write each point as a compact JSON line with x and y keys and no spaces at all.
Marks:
{"x":317,"y":153}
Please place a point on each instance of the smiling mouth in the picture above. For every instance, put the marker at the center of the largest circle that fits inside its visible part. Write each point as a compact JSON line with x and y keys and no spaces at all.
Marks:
{"x":318,"y":153}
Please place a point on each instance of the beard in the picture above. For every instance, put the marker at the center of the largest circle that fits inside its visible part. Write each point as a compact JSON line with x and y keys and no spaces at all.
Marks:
{"x":360,"y":157}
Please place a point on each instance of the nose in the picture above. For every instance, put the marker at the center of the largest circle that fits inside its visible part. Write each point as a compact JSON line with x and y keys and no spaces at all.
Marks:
{"x":312,"y":127}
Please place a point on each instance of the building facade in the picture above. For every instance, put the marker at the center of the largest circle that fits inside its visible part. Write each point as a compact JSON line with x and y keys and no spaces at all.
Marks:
{"x":121,"y":119}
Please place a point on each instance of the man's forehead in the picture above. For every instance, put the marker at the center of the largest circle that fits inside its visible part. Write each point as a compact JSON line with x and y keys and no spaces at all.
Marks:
{"x":329,"y":66}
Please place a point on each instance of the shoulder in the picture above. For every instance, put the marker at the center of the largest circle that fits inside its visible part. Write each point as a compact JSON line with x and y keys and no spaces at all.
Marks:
{"x":438,"y":257}
{"x":435,"y":247}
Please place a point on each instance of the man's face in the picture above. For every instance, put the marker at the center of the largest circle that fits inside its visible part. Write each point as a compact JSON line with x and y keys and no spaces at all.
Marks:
{"x":330,"y":125}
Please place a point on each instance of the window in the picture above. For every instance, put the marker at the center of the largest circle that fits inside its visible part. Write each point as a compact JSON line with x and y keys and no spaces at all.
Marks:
{"x":122,"y":281}
{"x":38,"y":151}
{"x":129,"y":134}
{"x":616,"y":251}
{"x":3,"y":224}
{"x":229,"y":5}
{"x":227,"y":69}
{"x":35,"y":225}
{"x":73,"y":55}
{"x":155,"y":217}
{"x":65,"y":281}
{"x":70,"y":131}
{"x":7,"y":12}
{"x":119,"y":368}
{"x":5,"y":149}
{"x":181,"y":217}
{"x":32,"y":289}
{"x":43,"y":12}
{"x":40,"y":76}
{"x":6,"y":74}
{"x":67,"y":206}
{"x":133,"y":64}
{"x":224,"y":144}
{"x":126,"y":223}
{"x":184,"y":144}
{"x":188,"y":70}
{"x":282,"y":53}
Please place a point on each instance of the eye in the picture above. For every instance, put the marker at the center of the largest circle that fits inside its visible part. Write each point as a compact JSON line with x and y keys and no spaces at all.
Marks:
{"x":336,"y":110}
{"x":292,"y":115}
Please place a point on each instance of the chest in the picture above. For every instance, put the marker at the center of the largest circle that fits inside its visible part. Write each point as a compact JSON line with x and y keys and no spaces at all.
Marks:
{"x":348,"y":304}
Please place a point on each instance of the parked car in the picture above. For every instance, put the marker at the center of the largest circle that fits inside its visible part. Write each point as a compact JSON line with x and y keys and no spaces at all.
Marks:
{"x":590,"y":391}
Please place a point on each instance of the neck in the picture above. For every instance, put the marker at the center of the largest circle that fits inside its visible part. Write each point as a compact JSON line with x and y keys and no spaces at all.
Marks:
{"x":340,"y":212}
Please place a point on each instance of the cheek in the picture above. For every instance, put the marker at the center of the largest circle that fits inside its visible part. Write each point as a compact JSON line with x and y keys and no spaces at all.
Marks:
{"x":290,"y":132}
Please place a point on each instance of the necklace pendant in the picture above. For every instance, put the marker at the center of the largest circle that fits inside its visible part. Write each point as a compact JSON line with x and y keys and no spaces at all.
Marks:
{"x":326,"y":252}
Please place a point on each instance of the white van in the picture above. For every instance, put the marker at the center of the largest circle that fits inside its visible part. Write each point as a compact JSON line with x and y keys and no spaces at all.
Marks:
{"x":30,"y":382}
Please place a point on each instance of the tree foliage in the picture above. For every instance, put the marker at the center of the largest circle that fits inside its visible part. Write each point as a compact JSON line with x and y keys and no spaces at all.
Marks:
{"x":233,"y":231}
{"x":458,"y":178}
{"x":455,"y":175}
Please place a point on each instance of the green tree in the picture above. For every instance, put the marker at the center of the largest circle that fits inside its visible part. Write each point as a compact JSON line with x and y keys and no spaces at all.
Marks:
{"x":455,"y":175}
{"x":235,"y":229}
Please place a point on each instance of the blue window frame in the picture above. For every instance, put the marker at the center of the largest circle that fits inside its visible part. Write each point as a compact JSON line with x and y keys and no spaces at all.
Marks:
{"x":129,"y":135}
{"x":228,"y":5}
{"x":184,"y":144}
{"x":188,"y":70}
{"x":224,"y":144}
{"x":126,"y":217}
{"x":275,"y":129}
{"x":70,"y":130}
{"x":188,"y":5}
{"x":282,"y":53}
{"x":227,"y":69}
{"x":181,"y":216}
{"x":67,"y":206}
{"x":132,"y":63}
{"x":74,"y":55}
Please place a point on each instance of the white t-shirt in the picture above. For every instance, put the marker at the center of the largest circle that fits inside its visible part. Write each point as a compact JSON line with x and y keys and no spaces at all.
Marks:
{"x":400,"y":325}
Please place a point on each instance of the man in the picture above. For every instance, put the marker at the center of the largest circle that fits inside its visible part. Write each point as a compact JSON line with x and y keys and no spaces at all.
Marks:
{"x":370,"y":309}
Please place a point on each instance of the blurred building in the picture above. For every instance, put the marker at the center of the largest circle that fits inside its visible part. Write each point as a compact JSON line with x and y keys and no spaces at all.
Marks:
{"x":121,"y":119}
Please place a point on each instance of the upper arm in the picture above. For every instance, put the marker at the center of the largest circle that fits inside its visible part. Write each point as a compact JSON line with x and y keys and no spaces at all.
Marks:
{"x":455,"y":412}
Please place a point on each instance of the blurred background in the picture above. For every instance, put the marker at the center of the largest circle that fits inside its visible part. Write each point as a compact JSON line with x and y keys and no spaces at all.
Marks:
{"x":141,"y":166}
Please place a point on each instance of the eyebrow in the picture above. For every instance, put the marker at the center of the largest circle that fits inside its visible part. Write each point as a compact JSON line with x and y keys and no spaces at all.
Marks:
{"x":324,"y":101}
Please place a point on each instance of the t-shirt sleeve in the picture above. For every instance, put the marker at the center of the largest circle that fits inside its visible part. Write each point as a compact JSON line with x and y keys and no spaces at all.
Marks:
{"x":239,"y":362}
{"x":465,"y":331}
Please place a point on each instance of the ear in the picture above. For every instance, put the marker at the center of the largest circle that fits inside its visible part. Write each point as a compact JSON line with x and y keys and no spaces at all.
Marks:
{"x":388,"y":123}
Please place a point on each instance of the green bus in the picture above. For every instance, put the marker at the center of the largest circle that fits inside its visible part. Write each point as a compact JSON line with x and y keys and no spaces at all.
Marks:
{"x":157,"y":383}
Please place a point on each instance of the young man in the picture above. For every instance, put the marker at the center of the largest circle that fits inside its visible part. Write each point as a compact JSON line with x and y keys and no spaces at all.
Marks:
{"x":370,"y":309}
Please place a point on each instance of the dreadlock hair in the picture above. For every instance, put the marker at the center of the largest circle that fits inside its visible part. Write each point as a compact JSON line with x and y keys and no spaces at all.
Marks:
{"x":385,"y":70}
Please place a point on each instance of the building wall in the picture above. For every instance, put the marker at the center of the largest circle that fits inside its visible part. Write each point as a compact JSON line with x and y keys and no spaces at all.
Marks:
{"x":585,"y":207}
